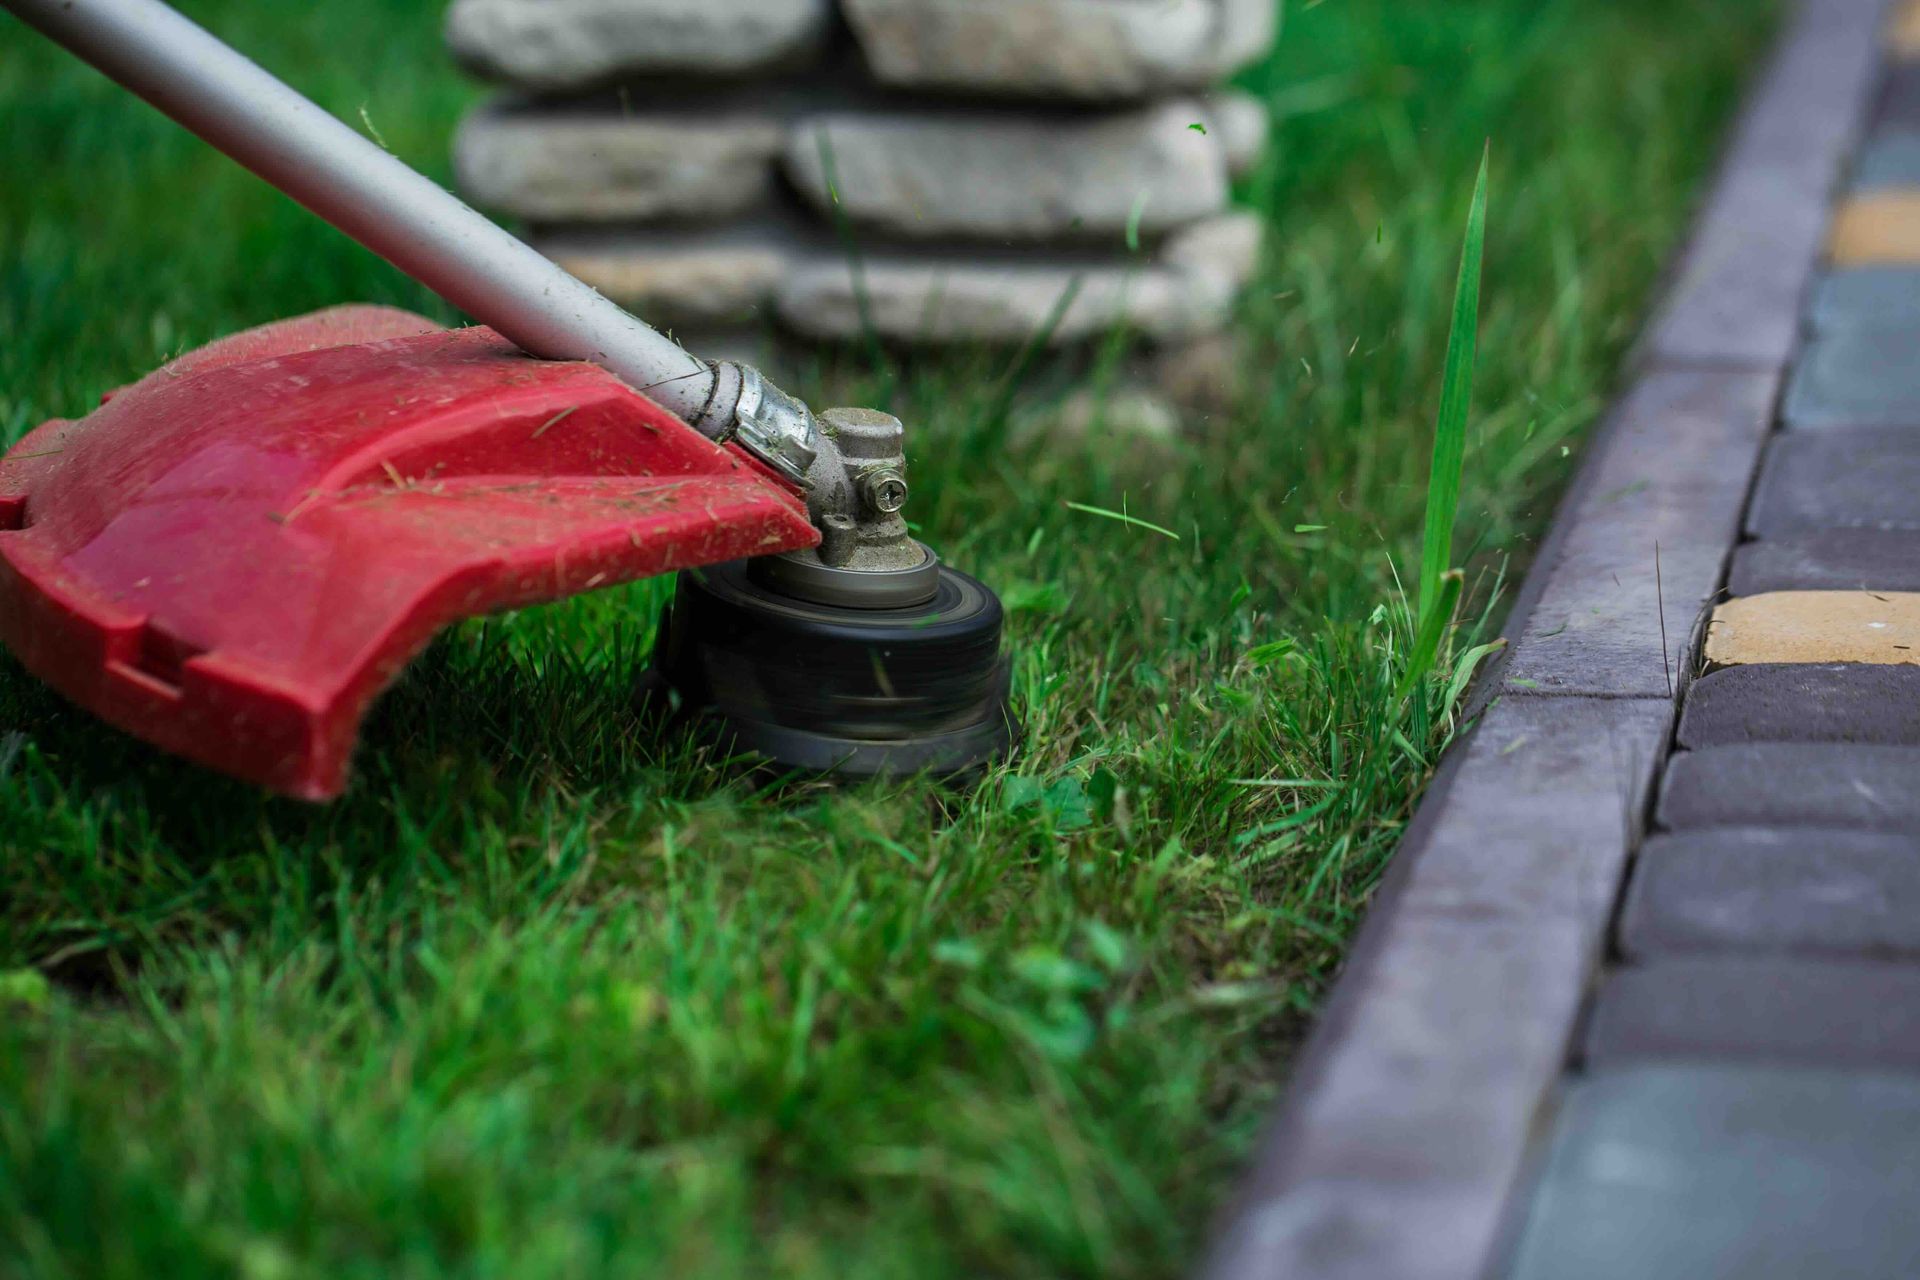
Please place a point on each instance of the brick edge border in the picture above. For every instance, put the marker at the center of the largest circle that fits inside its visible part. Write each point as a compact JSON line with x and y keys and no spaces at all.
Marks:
{"x":1420,"y":1100}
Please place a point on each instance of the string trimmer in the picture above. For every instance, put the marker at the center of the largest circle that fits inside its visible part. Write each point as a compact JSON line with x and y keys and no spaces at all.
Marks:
{"x":233,"y":556}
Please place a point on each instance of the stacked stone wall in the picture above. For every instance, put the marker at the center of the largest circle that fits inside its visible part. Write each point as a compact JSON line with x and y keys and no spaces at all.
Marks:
{"x":997,"y":165}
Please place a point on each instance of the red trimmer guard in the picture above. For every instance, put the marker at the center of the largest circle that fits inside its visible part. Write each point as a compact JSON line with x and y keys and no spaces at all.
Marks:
{"x":234,"y":556}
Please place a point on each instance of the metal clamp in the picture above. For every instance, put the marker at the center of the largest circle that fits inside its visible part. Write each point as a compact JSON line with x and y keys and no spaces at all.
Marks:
{"x":776,"y":428}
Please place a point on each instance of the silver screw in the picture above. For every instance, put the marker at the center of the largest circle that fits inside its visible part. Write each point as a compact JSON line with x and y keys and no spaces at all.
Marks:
{"x":885,"y":490}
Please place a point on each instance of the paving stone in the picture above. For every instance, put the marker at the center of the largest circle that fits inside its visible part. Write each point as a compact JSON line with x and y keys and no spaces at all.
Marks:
{"x":1856,"y":378}
{"x":693,"y":277}
{"x":1805,"y":1012}
{"x":571,"y":164}
{"x":936,"y":296}
{"x":1867,"y":298}
{"x":1739,"y":288}
{"x":1857,"y":478}
{"x":1412,"y":1112}
{"x":1899,"y":105}
{"x":1831,"y":559}
{"x":1776,"y":890}
{"x":1001,"y":175}
{"x":1547,"y":802}
{"x":1090,"y":50}
{"x":1728,"y":1173}
{"x":548,"y":45}
{"x":1865,"y":785}
{"x":1673,"y":474}
{"x":1845,"y":702}
{"x":1890,"y":161}
{"x":1880,"y":227}
{"x":1815,"y":626}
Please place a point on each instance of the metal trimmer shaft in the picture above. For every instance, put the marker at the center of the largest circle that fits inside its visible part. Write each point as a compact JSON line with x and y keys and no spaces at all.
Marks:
{"x":412,"y":222}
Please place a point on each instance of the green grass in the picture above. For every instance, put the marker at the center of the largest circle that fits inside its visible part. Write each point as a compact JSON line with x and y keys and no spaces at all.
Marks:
{"x":546,"y":997}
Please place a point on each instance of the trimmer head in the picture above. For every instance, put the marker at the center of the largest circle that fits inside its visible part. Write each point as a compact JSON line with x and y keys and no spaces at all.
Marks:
{"x":837,"y":688}
{"x":862,"y":655}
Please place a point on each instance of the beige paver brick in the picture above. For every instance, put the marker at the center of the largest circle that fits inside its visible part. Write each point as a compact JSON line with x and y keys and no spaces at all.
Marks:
{"x":1903,"y":30}
{"x":1816,"y":626}
{"x":1882,"y":229}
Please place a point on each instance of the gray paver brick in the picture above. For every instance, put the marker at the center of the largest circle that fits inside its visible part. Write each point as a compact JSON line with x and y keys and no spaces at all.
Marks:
{"x":1774,"y":890}
{"x":1728,"y":1173}
{"x":1795,"y":702}
{"x":1892,"y":159}
{"x":1867,"y":298}
{"x":1739,"y":289}
{"x":1855,"y":378}
{"x":1674,"y":475}
{"x":1793,"y":1011}
{"x":1864,"y":478}
{"x":1899,"y":107}
{"x":1828,"y":560}
{"x":1411,"y":1114}
{"x":1794,"y":784}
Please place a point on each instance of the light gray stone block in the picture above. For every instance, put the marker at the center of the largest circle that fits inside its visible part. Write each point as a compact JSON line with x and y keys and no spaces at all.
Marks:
{"x":683,"y":278}
{"x":1728,"y":1173}
{"x":1217,"y":256}
{"x":584,"y":165}
{"x":1004,"y":176}
{"x":1089,"y":50}
{"x":551,"y":45}
{"x":959,"y":296}
{"x":1243,"y":125}
{"x":1674,"y":475}
{"x":1247,"y":31}
{"x":1411,"y":1115}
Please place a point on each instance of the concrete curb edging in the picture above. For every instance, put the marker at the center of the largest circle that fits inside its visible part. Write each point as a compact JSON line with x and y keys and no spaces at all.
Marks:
{"x":1420,"y":1099}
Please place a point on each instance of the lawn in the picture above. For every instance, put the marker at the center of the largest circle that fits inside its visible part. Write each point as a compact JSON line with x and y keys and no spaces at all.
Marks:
{"x":546,"y":996}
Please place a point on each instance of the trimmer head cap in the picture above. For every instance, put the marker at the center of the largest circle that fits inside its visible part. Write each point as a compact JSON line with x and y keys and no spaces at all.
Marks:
{"x":840,"y":690}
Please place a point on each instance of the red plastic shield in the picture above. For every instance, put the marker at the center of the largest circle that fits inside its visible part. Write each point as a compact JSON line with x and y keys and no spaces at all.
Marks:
{"x":234,"y":556}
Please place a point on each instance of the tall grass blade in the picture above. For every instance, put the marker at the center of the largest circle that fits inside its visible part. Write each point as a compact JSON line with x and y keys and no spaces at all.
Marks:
{"x":1456,"y":404}
{"x":1433,"y":629}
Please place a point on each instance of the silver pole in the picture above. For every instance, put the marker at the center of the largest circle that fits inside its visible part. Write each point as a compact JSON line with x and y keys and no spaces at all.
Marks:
{"x":235,"y":105}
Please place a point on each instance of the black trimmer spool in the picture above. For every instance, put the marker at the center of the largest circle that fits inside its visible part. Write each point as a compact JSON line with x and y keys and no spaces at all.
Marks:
{"x":836,"y":689}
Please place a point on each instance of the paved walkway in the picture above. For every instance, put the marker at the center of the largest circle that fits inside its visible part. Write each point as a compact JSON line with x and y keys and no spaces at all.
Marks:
{"x":1745,"y":1098}
{"x":1641,"y":998}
